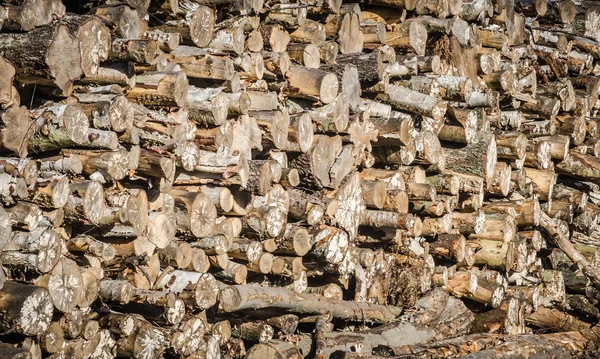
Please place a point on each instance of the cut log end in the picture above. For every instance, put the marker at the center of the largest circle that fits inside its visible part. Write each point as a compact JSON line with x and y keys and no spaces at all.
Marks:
{"x":93,"y":202}
{"x":65,"y":285}
{"x":161,"y":229}
{"x":202,"y":25}
{"x":418,"y":38}
{"x":329,"y":88}
{"x":203,"y":216}
{"x":94,"y":44}
{"x":16,"y":120}
{"x":64,"y":69}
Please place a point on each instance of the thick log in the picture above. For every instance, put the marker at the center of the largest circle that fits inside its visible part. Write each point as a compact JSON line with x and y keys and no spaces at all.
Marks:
{"x":579,"y":166}
{"x":26,"y":308}
{"x":274,"y":349}
{"x":202,"y":65}
{"x":254,"y":332}
{"x":465,"y":284}
{"x":107,"y":112}
{"x":314,"y":167}
{"x":370,"y":66}
{"x":468,"y":160}
{"x":411,"y":35}
{"x":94,"y":40}
{"x":160,"y":89}
{"x":116,"y":73}
{"x":435,"y":312}
{"x":241,"y":297}
{"x":89,"y":245}
{"x":554,"y":344}
{"x":189,"y":338}
{"x":24,"y":15}
{"x":10,"y":352}
{"x":112,"y":165}
{"x":312,"y":83}
{"x":275,"y":37}
{"x":229,"y":40}
{"x":412,"y":101}
{"x":487,"y":345}
{"x":558,"y":236}
{"x":147,"y":342}
{"x":86,"y":202}
{"x":39,"y":250}
{"x":309,"y":32}
{"x":65,"y":285}
{"x":58,"y":126}
{"x":138,"y":51}
{"x":268,"y":214}
{"x":39,"y":56}
{"x":196,"y":27}
{"x":166,"y":41}
{"x":204,"y":287}
{"x":160,"y":307}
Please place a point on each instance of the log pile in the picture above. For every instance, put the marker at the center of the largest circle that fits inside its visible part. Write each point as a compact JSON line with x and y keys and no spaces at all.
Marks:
{"x":311,"y":179}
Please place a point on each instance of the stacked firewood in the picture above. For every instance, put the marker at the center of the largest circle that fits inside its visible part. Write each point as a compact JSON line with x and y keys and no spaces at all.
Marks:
{"x":274,"y":179}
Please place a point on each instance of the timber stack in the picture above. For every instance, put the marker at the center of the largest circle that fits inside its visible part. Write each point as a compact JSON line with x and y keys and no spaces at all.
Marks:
{"x":299,"y":179}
